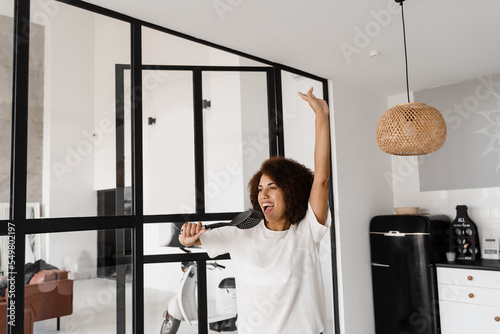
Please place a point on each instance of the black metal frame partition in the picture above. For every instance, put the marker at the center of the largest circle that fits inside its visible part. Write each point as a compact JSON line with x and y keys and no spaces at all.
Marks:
{"x":18,"y":226}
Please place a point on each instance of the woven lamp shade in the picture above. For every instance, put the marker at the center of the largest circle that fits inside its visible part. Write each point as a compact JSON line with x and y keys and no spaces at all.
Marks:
{"x":411,"y":129}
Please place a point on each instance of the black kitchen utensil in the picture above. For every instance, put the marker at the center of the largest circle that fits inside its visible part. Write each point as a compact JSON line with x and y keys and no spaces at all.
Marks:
{"x":244,"y":221}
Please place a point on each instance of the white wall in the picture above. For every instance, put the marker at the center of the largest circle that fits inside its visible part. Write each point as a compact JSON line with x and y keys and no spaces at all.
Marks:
{"x":7,"y":8}
{"x":360,"y":193}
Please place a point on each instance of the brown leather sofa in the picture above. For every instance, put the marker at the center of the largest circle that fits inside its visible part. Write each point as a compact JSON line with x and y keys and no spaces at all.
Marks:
{"x":49,"y":294}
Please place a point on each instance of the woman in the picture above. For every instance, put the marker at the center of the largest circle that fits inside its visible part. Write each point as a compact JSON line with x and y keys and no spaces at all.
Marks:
{"x":278,"y":274}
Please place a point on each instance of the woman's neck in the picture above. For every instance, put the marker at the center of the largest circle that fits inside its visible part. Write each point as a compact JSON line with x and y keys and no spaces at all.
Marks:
{"x":282,"y":225}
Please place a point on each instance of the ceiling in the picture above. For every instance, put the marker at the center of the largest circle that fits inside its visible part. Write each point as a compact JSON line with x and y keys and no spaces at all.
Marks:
{"x":448,"y":40}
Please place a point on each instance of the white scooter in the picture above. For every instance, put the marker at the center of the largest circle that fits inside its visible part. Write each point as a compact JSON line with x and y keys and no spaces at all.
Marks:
{"x":184,"y":305}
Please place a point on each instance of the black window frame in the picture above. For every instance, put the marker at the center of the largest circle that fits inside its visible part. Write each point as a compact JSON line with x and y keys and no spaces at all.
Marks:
{"x":18,"y":226}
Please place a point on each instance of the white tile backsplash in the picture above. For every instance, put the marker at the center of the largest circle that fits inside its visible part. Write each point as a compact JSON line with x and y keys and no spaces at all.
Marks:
{"x":483,"y":206}
{"x":494,"y":192}
{"x":495,"y":213}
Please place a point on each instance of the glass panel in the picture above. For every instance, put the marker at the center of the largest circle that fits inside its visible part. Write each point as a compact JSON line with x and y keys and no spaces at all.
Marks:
{"x":298,"y":117}
{"x":162,"y":282}
{"x":168,"y":142}
{"x":66,"y":280}
{"x":160,"y":48}
{"x":221,"y":293}
{"x":6,"y":61}
{"x":236,"y":136}
{"x":72,"y":108}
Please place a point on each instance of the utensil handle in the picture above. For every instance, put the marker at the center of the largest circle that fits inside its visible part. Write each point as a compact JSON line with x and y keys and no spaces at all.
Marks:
{"x":215,"y":225}
{"x":209,"y":227}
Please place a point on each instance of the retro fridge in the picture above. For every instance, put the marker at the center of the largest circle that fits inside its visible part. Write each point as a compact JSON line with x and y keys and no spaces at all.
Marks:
{"x":404,"y":250}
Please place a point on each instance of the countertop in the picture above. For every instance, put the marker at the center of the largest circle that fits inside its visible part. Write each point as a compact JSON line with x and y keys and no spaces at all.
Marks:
{"x":479,"y":264}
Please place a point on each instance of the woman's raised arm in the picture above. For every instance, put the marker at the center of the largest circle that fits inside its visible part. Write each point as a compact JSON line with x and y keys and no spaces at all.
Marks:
{"x":319,"y":191}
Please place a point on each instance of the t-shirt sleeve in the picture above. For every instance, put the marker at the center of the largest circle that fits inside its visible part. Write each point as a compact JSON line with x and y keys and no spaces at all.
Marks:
{"x":219,"y":241}
{"x":316,"y":229}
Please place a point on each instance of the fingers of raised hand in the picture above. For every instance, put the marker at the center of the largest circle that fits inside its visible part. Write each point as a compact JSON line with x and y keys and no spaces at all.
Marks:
{"x":310,"y":92}
{"x":309,"y":96}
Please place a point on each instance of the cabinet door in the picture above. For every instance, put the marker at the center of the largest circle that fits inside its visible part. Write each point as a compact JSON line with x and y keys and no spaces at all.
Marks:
{"x":469,"y":277}
{"x":461,"y":318}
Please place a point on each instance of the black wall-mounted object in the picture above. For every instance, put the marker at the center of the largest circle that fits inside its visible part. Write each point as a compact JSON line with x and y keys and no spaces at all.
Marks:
{"x":206,"y":104}
{"x":464,"y":238}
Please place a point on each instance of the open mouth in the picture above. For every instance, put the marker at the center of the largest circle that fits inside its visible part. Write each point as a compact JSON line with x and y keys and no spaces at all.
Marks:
{"x":267,"y":207}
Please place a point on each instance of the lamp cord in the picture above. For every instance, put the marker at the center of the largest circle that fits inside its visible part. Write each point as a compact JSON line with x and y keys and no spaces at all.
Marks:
{"x":406,"y":53}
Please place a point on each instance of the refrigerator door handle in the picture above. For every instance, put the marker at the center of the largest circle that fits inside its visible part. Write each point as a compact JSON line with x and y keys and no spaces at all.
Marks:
{"x":380,"y":265}
{"x":394,"y":234}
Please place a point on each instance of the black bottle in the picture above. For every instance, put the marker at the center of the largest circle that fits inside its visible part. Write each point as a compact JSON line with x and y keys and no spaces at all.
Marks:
{"x":464,"y":239}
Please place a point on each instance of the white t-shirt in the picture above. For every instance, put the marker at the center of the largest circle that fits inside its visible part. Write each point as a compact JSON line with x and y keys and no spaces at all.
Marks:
{"x":278,"y":275}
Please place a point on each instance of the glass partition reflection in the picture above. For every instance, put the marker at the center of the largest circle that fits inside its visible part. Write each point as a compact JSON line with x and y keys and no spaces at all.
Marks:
{"x":72,"y":130}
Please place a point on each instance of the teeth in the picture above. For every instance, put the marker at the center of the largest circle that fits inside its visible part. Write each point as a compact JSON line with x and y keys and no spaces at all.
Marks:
{"x":267,"y":204}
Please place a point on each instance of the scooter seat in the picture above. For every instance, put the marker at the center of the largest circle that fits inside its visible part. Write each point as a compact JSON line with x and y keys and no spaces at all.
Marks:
{"x":227,"y":283}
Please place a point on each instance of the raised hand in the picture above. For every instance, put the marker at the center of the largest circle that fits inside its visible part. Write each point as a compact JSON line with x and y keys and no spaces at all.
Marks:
{"x":318,"y":105}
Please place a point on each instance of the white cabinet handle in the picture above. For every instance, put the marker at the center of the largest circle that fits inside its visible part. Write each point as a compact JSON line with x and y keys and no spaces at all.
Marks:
{"x":497,"y":319}
{"x":471,"y":295}
{"x":470,"y":278}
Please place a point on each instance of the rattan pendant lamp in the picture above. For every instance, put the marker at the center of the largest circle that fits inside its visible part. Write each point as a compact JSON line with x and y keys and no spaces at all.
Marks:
{"x":410,"y":128}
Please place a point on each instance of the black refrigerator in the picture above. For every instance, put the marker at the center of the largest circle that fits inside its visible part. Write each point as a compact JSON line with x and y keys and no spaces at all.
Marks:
{"x":404,"y":251}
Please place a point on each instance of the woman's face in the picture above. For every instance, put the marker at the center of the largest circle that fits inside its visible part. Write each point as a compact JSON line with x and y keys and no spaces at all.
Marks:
{"x":271,"y":200}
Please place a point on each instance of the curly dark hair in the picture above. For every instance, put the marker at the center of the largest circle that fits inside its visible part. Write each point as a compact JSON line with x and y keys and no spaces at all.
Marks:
{"x":293,"y":178}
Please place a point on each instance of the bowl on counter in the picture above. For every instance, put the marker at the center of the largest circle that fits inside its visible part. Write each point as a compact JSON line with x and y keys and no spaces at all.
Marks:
{"x":406,"y":210}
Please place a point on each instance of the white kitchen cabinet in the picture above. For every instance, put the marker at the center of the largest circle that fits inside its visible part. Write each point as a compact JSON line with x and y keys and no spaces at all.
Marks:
{"x":469,"y":300}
